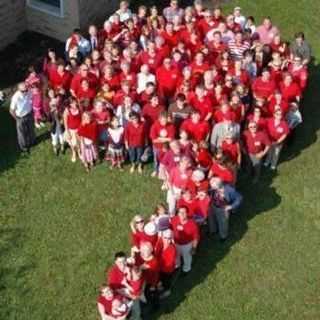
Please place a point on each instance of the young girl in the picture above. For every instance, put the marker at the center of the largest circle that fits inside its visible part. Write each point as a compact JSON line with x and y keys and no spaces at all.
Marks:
{"x":72,"y":121}
{"x":88,"y":134}
{"x":55,"y":112}
{"x":115,"y":152}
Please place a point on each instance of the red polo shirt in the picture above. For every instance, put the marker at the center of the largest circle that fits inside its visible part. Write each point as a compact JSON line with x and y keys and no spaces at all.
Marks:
{"x":167,"y":80}
{"x":291,"y":92}
{"x":225,"y":174}
{"x":166,"y":257}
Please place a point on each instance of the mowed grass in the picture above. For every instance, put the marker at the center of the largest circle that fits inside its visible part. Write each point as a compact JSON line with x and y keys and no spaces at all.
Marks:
{"x":59,"y":227}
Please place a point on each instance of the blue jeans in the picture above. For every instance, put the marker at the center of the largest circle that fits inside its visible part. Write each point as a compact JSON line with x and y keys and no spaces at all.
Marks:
{"x":135,"y":154}
{"x":155,"y":159}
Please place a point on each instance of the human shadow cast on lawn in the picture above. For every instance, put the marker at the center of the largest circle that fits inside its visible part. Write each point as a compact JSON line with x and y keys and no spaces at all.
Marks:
{"x":258,"y":199}
{"x":211,"y":251}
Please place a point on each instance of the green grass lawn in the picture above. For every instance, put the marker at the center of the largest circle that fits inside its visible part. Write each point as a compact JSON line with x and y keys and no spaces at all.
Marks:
{"x":59,"y":227}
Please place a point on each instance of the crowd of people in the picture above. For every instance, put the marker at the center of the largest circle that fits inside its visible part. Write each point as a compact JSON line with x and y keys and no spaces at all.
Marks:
{"x":200,"y":94}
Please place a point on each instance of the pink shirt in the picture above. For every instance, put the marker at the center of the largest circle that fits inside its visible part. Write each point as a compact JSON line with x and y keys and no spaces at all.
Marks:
{"x":266,"y":35}
{"x":179,"y":179}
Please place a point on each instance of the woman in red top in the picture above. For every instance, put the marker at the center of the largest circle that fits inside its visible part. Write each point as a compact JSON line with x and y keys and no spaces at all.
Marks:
{"x":290,"y":90}
{"x":72,"y":121}
{"x":88,"y":134}
{"x":149,"y":263}
{"x":278,"y":130}
{"x":85,"y":92}
{"x":135,"y":140}
{"x":220,"y":169}
{"x":166,"y":253}
{"x":231,"y":148}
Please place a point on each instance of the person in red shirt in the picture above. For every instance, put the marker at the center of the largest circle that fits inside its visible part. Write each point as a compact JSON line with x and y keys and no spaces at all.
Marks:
{"x":256,"y":145}
{"x":150,"y":57}
{"x":85,"y":92}
{"x":290,"y":90}
{"x":188,"y":201}
{"x":150,"y":266}
{"x":224,"y":113}
{"x":170,"y":35}
{"x":72,"y":121}
{"x":60,"y":78}
{"x":299,"y":72}
{"x":221,"y":169}
{"x":111,"y":306}
{"x":256,"y":116}
{"x":264,"y":86}
{"x":102,"y":116}
{"x":135,"y":140}
{"x":88,"y":134}
{"x":202,"y":102}
{"x":202,"y":156}
{"x":110,"y":77}
{"x":231,"y":148}
{"x":161,"y":132}
{"x":81,"y":75}
{"x":196,"y":129}
{"x":186,"y":236}
{"x":117,"y":273}
{"x":167,"y":79}
{"x":278,"y":130}
{"x":166,"y":253}
{"x":127,"y":74}
{"x":152,"y":110}
{"x":277,"y":101}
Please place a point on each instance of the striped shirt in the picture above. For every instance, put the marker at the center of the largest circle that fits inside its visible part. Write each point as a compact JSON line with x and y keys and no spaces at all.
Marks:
{"x":237,"y":50}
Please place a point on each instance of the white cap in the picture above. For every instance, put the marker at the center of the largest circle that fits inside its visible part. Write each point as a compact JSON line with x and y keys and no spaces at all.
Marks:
{"x":198,"y":175}
{"x":150,"y":229}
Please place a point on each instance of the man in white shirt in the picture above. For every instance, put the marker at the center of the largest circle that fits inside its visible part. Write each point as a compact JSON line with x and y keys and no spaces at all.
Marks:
{"x":238,"y":17}
{"x":144,"y":77}
{"x":124,"y":12}
{"x":21,"y":111}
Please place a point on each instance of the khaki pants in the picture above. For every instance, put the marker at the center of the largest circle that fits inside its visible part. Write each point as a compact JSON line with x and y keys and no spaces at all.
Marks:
{"x":184,"y":252}
{"x":173,"y":195}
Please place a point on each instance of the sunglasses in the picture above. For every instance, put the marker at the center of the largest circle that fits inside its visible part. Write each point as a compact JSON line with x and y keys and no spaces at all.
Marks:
{"x":140,"y":221}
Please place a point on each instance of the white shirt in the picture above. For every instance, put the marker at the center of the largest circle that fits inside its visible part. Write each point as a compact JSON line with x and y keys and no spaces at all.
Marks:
{"x":124,"y":16}
{"x":240,"y":20}
{"x":143,"y":79}
{"x":21,"y":103}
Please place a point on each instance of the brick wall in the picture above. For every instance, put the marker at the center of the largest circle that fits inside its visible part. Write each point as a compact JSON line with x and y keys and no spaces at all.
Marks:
{"x":54,"y":26}
{"x":12,"y":20}
{"x":96,"y":11}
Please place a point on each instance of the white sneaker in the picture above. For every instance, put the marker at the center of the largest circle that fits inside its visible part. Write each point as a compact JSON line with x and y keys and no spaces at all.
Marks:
{"x":42,"y":125}
{"x":266,"y":164}
{"x":273,"y":168}
{"x":37,"y":125}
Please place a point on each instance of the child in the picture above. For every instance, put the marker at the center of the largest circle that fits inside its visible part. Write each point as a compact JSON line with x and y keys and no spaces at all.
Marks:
{"x":115,"y":152}
{"x":55,"y":104}
{"x":88,"y":134}
{"x":37,"y":106}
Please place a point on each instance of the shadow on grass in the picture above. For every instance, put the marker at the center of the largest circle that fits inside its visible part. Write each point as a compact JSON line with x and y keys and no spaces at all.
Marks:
{"x":258,"y":199}
{"x":13,"y":271}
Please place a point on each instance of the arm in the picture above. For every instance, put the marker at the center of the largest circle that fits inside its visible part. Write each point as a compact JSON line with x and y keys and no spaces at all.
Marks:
{"x":101,"y":311}
{"x":235,"y":198}
{"x":13,"y":106}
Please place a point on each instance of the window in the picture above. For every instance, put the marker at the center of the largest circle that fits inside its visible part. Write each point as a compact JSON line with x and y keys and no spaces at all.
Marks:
{"x":53,"y":7}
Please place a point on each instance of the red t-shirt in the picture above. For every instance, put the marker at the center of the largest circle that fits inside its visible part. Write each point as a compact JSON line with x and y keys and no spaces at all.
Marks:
{"x":179,"y":179}
{"x":291,"y":92}
{"x":232,"y":150}
{"x":220,"y":116}
{"x":157,"y":131}
{"x":167,"y":80}
{"x":204,"y":106}
{"x":263,"y":89}
{"x":196,"y":131}
{"x":166,"y":257}
{"x":225,"y":174}
{"x":190,"y":204}
{"x":60,"y":81}
{"x":115,"y":277}
{"x":89,"y":131}
{"x":135,"y":136}
{"x":184,"y":233}
{"x":255,"y":143}
{"x":276,"y":131}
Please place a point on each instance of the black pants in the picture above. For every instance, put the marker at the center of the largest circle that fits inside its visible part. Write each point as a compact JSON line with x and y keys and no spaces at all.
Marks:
{"x":152,"y":296}
{"x":25,"y":131}
{"x":166,"y":280}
